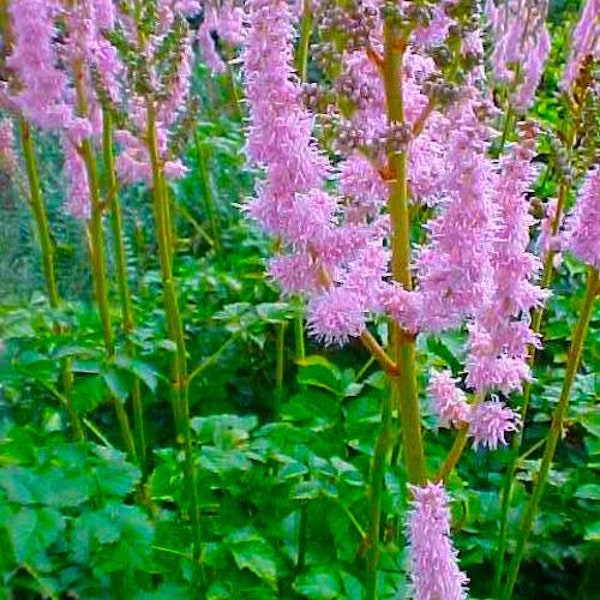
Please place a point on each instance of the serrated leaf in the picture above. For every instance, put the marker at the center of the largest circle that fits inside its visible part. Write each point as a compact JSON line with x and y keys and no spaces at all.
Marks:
{"x":251,"y":551}
{"x":319,"y":584}
{"x":142,"y":370}
{"x":317,"y":371}
{"x":116,"y":383}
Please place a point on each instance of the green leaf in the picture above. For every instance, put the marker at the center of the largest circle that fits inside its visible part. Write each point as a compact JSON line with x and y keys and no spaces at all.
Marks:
{"x":592,"y":532}
{"x":317,"y":371}
{"x":142,"y":370}
{"x":116,"y":383}
{"x":33,"y":530}
{"x":114,"y":475}
{"x":320,"y":583}
{"x":251,"y":551}
{"x":589,"y":491}
{"x":20,"y":484}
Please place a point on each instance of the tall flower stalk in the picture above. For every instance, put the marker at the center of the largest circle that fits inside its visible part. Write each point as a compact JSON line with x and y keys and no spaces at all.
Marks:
{"x":179,"y":373}
{"x":38,"y":209}
{"x":556,"y":428}
{"x":126,"y":301}
{"x":98,"y":253}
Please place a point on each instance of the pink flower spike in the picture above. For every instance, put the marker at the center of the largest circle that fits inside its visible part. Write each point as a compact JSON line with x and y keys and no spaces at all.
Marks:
{"x":336,"y":316}
{"x":434,"y":570}
{"x":582,"y":228}
{"x":490,"y":421}
{"x":449,"y":401}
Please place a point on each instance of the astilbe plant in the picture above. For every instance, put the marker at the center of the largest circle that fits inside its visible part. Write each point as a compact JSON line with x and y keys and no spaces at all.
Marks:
{"x":96,"y":73}
{"x":392,"y":139}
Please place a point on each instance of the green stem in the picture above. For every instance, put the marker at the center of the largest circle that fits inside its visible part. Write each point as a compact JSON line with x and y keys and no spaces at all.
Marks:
{"x":384,"y":443}
{"x":299,"y":337}
{"x":460,"y":441}
{"x":204,"y":173}
{"x":279,"y":365}
{"x":122,"y":280}
{"x":98,"y":258}
{"x":179,"y":382}
{"x":560,"y":412}
{"x":404,"y":388}
{"x":536,"y":325}
{"x":305,"y":32}
{"x":36,"y":202}
{"x":508,"y":118}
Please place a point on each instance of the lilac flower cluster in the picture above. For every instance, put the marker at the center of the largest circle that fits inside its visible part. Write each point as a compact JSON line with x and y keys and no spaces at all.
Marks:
{"x":521,"y":46}
{"x":489,"y":422}
{"x":472,"y":268}
{"x":58,"y":47}
{"x":226,"y":21}
{"x":582,"y":227}
{"x":499,"y":335}
{"x":585,"y":41}
{"x":434,"y":569}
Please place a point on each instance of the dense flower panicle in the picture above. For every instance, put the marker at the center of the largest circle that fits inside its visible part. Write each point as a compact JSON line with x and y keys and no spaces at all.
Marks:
{"x":434,"y":569}
{"x":171,"y":87}
{"x":363,"y":187}
{"x":280,"y":131}
{"x":454,"y":267}
{"x":227,"y":22}
{"x":179,"y":87}
{"x":500,"y":336}
{"x":522,"y":44}
{"x":585,"y":40}
{"x":207,"y":45}
{"x":336,"y":315}
{"x":490,"y":422}
{"x":548,"y":241}
{"x":8,"y":158}
{"x":290,"y":203}
{"x":582,"y":227}
{"x":42,"y":85}
{"x":449,"y":401}
{"x":78,"y":202}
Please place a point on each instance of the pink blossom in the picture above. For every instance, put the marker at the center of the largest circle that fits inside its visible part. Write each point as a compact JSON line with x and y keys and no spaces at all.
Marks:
{"x":454,"y":267}
{"x":434,"y":569}
{"x":362,"y":185}
{"x":490,"y":422}
{"x":78,"y":202}
{"x":499,"y":336}
{"x":521,"y":47}
{"x":585,"y":40}
{"x":335,"y":316}
{"x":449,"y":401}
{"x":42,"y":85}
{"x":582,"y":227}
